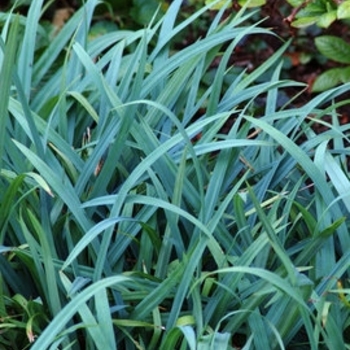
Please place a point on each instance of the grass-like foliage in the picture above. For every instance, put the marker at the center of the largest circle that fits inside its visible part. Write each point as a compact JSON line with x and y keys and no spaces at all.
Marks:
{"x":153,"y":198}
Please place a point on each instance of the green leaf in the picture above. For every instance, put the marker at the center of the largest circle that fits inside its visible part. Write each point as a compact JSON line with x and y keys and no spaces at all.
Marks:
{"x":295,"y":3}
{"x":327,"y":80}
{"x":325,"y":20}
{"x":249,"y":3}
{"x":304,"y":22}
{"x":332,"y":228}
{"x":252,"y":3}
{"x":143,"y":10}
{"x":217,"y":4}
{"x":343,"y":10}
{"x":345,"y":77}
{"x":333,"y":48}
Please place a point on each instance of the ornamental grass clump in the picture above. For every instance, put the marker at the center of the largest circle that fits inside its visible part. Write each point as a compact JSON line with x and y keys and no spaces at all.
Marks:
{"x":145,"y":208}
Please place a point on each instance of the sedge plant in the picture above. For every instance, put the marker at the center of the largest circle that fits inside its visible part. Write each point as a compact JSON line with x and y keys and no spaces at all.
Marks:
{"x":145,"y":208}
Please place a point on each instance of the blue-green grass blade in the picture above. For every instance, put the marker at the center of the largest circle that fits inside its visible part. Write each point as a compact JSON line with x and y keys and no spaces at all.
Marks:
{"x":26,"y":56}
{"x":339,"y":180}
{"x":158,"y":294}
{"x":272,"y":95}
{"x":195,"y":50}
{"x":299,"y":155}
{"x":60,"y":321}
{"x":6,"y":75}
{"x":46,"y":60}
{"x":270,"y":277}
{"x":190,"y":336}
{"x":89,"y":236}
{"x":32,"y":260}
{"x":252,"y":77}
{"x":7,"y":204}
{"x":64,"y":189}
{"x":48,"y":252}
{"x":274,"y":239}
{"x":86,"y":104}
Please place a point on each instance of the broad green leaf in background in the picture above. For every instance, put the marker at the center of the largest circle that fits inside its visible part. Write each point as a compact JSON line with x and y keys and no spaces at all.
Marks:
{"x":304,"y":21}
{"x":320,"y":12}
{"x":143,"y":10}
{"x":326,"y":19}
{"x":343,"y":10}
{"x":333,"y":48}
{"x":252,"y":3}
{"x":296,"y":3}
{"x":331,"y":78}
{"x":218,"y":4}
